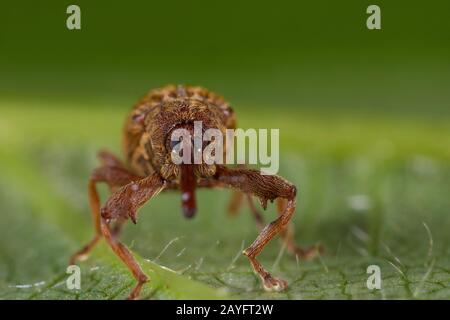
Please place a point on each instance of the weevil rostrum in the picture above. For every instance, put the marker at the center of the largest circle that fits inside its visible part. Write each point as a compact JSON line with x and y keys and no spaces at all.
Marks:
{"x":148,"y":170}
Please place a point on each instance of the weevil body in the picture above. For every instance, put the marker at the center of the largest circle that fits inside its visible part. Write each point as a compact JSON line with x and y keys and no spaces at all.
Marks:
{"x":147,"y":134}
{"x":149,"y":169}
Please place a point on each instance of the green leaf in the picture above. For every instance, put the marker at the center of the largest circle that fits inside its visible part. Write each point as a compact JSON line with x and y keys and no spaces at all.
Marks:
{"x":367,"y":200}
{"x":167,"y":282}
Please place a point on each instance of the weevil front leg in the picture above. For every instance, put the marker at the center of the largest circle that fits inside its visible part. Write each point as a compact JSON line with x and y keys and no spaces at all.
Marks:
{"x":287,"y":235}
{"x":122,"y":205}
{"x":265,"y":187}
{"x":125,"y":255}
{"x":113,"y":173}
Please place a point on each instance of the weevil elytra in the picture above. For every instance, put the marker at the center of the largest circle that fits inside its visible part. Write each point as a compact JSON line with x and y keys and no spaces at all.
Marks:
{"x":149,"y":169}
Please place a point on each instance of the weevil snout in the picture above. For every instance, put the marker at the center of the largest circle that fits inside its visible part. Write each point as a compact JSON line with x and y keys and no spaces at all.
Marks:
{"x":188,"y":183}
{"x":186,"y":150}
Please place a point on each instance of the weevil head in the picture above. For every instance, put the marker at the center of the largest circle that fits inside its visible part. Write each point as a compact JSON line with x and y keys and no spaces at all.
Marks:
{"x":180,"y":148}
{"x":179,"y":130}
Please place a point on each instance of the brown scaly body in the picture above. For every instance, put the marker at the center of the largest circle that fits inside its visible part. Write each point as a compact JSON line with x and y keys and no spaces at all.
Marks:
{"x":155,"y":115}
{"x":148,"y":170}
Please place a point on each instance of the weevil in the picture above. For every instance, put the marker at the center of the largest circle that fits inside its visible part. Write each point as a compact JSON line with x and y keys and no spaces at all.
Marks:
{"x":148,"y":169}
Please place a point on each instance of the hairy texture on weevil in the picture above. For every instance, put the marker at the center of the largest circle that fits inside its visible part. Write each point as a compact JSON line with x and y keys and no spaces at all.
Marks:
{"x":149,"y":169}
{"x":155,"y":115}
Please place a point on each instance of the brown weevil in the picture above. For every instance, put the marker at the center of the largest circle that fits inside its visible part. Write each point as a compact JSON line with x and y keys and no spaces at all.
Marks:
{"x":149,"y":169}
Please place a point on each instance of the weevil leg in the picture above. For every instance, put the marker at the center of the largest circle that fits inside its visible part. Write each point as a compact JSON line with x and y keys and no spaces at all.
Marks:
{"x":113,"y":176}
{"x":259,"y":219}
{"x":123,"y":204}
{"x":116,"y":229}
{"x":287,"y":235}
{"x":126,"y":256}
{"x":265,"y":187}
{"x":107,"y":159}
{"x":94,"y":202}
{"x":236,"y":201}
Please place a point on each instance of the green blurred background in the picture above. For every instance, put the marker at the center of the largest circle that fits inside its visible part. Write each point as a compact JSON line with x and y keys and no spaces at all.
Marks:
{"x":364,"y":127}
